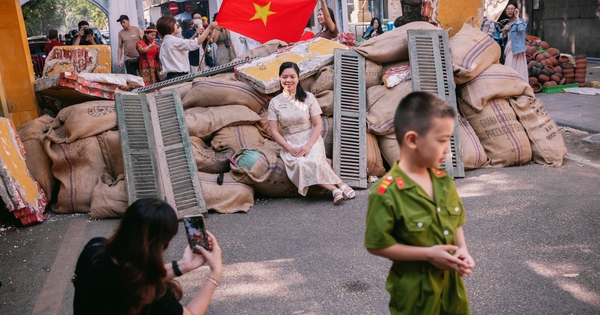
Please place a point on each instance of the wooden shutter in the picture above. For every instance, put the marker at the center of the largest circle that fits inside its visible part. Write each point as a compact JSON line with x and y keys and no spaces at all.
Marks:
{"x":163,"y":165}
{"x":350,"y":122}
{"x":431,"y":66}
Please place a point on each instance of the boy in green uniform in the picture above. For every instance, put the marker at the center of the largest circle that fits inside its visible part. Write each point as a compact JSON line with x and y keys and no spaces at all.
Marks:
{"x":415,"y":215}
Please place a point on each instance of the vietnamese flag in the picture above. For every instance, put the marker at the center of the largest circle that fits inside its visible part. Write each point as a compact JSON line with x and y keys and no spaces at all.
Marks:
{"x":264,"y":20}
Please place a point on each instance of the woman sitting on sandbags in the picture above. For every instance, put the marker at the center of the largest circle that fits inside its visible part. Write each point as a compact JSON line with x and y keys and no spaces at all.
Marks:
{"x":299,"y":116}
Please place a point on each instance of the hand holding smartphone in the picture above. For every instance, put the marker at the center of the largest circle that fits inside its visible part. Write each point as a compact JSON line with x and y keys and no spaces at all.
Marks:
{"x":195,"y":229}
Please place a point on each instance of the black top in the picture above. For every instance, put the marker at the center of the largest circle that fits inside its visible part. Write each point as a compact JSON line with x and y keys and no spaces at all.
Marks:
{"x":85,"y":42}
{"x":194,"y":55}
{"x":98,"y":288}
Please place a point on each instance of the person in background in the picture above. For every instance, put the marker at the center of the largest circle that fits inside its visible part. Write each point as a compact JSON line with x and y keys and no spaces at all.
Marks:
{"x":514,"y":51}
{"x":149,"y":52}
{"x":205,"y":23}
{"x":129,"y":36}
{"x":126,"y":274}
{"x":53,"y":36}
{"x":326,"y":20}
{"x":174,"y":51}
{"x":307,"y":33}
{"x":298,"y":115}
{"x":225,"y":51}
{"x":85,"y":35}
{"x":192,"y":33}
{"x":374,"y":29}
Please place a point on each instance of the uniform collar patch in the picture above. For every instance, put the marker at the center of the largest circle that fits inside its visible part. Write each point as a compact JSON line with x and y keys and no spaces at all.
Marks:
{"x":439,"y":173}
{"x":400,"y":182}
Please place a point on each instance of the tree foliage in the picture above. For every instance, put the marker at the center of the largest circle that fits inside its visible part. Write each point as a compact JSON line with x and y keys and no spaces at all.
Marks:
{"x":63,"y":15}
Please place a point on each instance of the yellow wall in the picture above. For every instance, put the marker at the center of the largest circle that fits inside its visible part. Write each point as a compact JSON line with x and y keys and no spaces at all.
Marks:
{"x":454,"y":13}
{"x":16,"y":70}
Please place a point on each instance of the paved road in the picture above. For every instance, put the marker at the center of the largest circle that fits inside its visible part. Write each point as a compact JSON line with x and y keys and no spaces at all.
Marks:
{"x":533,"y":231}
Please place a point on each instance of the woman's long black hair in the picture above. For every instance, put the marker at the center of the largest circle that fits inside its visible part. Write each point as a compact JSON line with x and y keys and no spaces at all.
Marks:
{"x":300,"y":94}
{"x":331,"y":15}
{"x":137,"y":245}
{"x":379,"y":29}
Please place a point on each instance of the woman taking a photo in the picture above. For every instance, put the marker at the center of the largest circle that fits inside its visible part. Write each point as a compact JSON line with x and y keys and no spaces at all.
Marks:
{"x":149,"y":56}
{"x":514,"y":51}
{"x":374,"y":29}
{"x":326,"y":19}
{"x":225,"y":51}
{"x":126,"y":274}
{"x":299,"y":116}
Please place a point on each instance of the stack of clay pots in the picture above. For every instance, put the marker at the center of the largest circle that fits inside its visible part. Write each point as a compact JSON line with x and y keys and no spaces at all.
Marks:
{"x":544,"y":66}
{"x":580,"y":69}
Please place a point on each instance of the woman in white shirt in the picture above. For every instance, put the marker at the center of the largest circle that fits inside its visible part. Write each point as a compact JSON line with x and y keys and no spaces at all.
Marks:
{"x":174,"y":50}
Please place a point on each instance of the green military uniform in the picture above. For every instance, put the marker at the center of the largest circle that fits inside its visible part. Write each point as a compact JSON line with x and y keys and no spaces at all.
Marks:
{"x":400,"y":211}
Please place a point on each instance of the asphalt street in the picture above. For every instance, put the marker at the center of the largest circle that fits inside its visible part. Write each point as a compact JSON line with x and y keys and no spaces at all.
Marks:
{"x":532,"y":229}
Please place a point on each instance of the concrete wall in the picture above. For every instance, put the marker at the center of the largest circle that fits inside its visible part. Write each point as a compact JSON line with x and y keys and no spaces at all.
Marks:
{"x":572,"y":28}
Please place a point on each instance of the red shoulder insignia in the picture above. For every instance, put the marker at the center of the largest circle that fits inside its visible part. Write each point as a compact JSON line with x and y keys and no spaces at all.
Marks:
{"x":399,"y":182}
{"x":439,"y":172}
{"x":384,"y":185}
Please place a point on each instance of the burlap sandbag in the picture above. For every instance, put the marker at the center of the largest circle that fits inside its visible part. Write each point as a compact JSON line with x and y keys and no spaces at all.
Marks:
{"x":183,"y":88}
{"x":110,"y":146}
{"x":472,"y":52}
{"x":109,"y":197}
{"x":202,"y":122}
{"x":327,"y":135}
{"x":86,"y":119}
{"x":389,"y":147}
{"x":497,"y":81}
{"x":229,"y":197}
{"x":209,"y":160}
{"x":219,"y":93}
{"x":325,"y":100}
{"x":373,"y":73}
{"x":473,"y":153}
{"x":546,"y":139}
{"x":307,"y":82}
{"x":374,"y":161}
{"x":37,"y":160}
{"x":324,"y":80}
{"x":381,"y":106}
{"x":237,"y":138}
{"x":77,"y":166}
{"x":264,"y":49}
{"x":501,"y":134}
{"x":392,"y":45}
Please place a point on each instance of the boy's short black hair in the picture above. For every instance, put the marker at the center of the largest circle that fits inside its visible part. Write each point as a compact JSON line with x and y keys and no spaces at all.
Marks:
{"x":416,"y":112}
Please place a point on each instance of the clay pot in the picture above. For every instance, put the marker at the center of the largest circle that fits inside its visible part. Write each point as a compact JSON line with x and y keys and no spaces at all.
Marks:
{"x":580,"y":65}
{"x":543,"y":78}
{"x":555,"y":78}
{"x":582,"y":84}
{"x":550,"y":83}
{"x":530,"y":64}
{"x":536,"y":87}
{"x":544,"y":45}
{"x":559,"y":74}
{"x":539,"y":65}
{"x":544,"y":62}
{"x":554,"y":52}
{"x":562,"y":81}
{"x":550,"y":69}
{"x":547,"y":55}
{"x":530,"y":50}
{"x":533,"y":80}
{"x":558,"y":69}
{"x":528,"y":57}
{"x":546,"y":72}
{"x":564,"y":59}
{"x":535,"y":72}
{"x":554,"y":61}
{"x":579,"y":57}
{"x":566,"y":65}
{"x":539,"y":57}
{"x":569,"y":80}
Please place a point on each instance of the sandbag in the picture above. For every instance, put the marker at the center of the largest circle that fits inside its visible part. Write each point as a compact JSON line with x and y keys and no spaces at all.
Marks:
{"x":229,"y":197}
{"x":391,"y":46}
{"x":110,"y":146}
{"x":373,"y":73}
{"x":374,"y":161}
{"x":382,"y":104}
{"x":502,"y":136}
{"x":37,"y":160}
{"x":183,"y":88}
{"x":389,"y":147}
{"x":77,"y":166}
{"x":497,"y":81}
{"x":307,"y":82}
{"x":209,"y":160}
{"x":473,"y":153}
{"x":546,"y":139}
{"x":324,"y":80}
{"x":472,"y":52}
{"x":237,"y":138}
{"x":327,"y":135}
{"x":325,"y":100}
{"x":202,"y":122}
{"x":219,"y":93}
{"x":109,"y":197}
{"x":86,"y":119}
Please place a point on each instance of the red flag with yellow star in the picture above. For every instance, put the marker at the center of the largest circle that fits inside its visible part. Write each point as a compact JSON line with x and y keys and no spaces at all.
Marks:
{"x":264,"y":20}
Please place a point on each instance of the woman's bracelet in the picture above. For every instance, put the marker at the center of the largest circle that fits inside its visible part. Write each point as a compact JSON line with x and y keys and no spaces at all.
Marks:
{"x":213,"y":281}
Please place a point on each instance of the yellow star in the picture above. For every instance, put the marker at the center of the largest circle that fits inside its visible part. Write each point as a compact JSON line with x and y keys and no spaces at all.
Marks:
{"x":262,"y":12}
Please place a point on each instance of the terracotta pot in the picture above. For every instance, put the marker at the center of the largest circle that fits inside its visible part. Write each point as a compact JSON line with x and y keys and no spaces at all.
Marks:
{"x":568,"y":70}
{"x":566,"y":65}
{"x":544,"y":63}
{"x":550,"y":83}
{"x":550,"y":69}
{"x":555,"y":78}
{"x":569,"y":80}
{"x":539,"y":57}
{"x":530,"y":50}
{"x":558,"y":69}
{"x":533,"y":80}
{"x":582,"y":84}
{"x":538,"y":64}
{"x":535,"y":72}
{"x":537,"y":88}
{"x":544,"y":45}
{"x":554,"y":61}
{"x":547,"y":55}
{"x":580,"y":72}
{"x":546,"y":72}
{"x":543,"y":78}
{"x":579,"y":57}
{"x":554,"y":52}
{"x":562,"y":81}
{"x":530,"y":64}
{"x":581,"y":65}
{"x":528,"y":57}
{"x":559,"y":74}
{"x":563,"y":59}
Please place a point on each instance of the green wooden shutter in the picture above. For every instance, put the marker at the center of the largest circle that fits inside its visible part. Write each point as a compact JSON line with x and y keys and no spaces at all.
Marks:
{"x":349,"y":119}
{"x":431,"y":66}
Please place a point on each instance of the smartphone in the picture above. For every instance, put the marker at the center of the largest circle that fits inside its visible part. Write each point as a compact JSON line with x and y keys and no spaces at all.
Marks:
{"x":196,"y":232}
